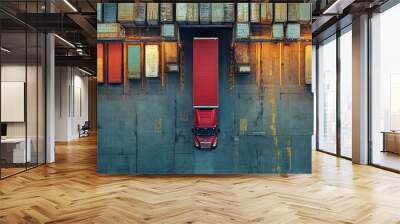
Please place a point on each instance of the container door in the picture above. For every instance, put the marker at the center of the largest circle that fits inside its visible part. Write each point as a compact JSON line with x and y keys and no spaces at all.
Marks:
{"x":133,"y":67}
{"x":114,"y":62}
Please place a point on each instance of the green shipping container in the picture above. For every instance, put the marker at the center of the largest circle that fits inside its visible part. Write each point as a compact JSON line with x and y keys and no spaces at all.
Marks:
{"x":205,"y":13}
{"x":278,"y":31}
{"x":134,"y":65}
{"x":267,"y":13}
{"x":110,"y":12}
{"x":293,"y":31}
{"x":305,"y":12}
{"x":280,"y":12}
{"x":242,"y":12}
{"x":293,"y":12}
{"x":181,"y":12}
{"x":166,"y":13}
{"x":242,"y":30}
{"x":99,"y":8}
{"x":168,"y":30}
{"x":126,"y":12}
{"x":217,"y":12}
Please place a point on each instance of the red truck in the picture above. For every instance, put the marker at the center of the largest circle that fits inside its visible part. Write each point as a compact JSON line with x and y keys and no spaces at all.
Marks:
{"x":205,"y":92}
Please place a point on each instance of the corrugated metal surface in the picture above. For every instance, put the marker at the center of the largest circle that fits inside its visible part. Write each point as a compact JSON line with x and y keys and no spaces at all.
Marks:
{"x":140,"y":17}
{"x":242,"y":30}
{"x":280,"y":12}
{"x":193,"y":13}
{"x":166,"y":12}
{"x":151,"y":60}
{"x":109,"y":12}
{"x":293,"y":12}
{"x":99,"y":9}
{"x":181,"y":12}
{"x":267,"y":13}
{"x":205,"y":13}
{"x":255,"y":12}
{"x":126,"y":12}
{"x":229,"y":12}
{"x":109,"y":30}
{"x":242,"y":12}
{"x":114,"y":57}
{"x":305,"y":12}
{"x":133,"y":67}
{"x":152,"y":13}
{"x":308,"y":64}
{"x":100,"y":62}
{"x":168,"y":30}
{"x":278,"y":31}
{"x":293,"y":31}
{"x":217,"y":12}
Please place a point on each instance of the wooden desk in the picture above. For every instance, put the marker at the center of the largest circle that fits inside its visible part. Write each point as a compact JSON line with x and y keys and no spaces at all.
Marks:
{"x":391,"y":141}
{"x":19,"y":155}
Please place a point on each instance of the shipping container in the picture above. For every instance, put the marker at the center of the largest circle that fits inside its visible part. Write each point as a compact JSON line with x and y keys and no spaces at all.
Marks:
{"x":242,"y":30}
{"x":193,"y":13}
{"x":293,"y":31}
{"x":255,"y":12}
{"x":242,"y":12}
{"x":126,"y":12}
{"x":229,"y":12}
{"x":114,"y":58}
{"x":109,"y":12}
{"x":171,"y":52}
{"x":267,"y":13}
{"x":242,"y":55}
{"x":99,"y":9}
{"x":308,"y":64}
{"x":217,"y":12}
{"x":110,"y":31}
{"x":152,"y":60}
{"x":293,"y":12}
{"x":166,"y":13}
{"x":280,"y":12}
{"x":152,"y":13}
{"x":205,"y":13}
{"x":168,"y":30}
{"x":181,"y":12}
{"x":305,"y":13}
{"x":133,"y":66}
{"x":100,"y":62}
{"x":278,"y":31}
{"x":140,"y":17}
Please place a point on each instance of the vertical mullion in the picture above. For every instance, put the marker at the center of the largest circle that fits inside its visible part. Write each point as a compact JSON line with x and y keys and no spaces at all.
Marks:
{"x":26,"y":85}
{"x":317,"y":97}
{"x":338,"y":98}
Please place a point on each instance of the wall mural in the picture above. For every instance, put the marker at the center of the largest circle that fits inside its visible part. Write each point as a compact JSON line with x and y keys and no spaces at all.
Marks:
{"x":204,"y":88}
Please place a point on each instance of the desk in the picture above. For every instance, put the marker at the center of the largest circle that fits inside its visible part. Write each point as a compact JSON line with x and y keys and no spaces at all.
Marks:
{"x":18,"y":151}
{"x":391,"y":141}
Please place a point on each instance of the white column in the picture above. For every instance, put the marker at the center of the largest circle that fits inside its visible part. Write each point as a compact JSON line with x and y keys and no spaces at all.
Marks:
{"x":50,"y":98}
{"x":360,"y":90}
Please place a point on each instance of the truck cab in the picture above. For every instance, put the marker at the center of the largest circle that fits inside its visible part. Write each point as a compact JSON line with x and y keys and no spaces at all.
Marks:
{"x":206,"y":129}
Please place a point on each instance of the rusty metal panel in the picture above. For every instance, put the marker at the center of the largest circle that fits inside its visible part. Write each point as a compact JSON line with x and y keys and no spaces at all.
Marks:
{"x":255,"y":12}
{"x":205,"y":13}
{"x":280,"y":12}
{"x":166,"y":13}
{"x":100,"y":62}
{"x":229,"y":12}
{"x":193,"y":13}
{"x":126,"y":12}
{"x":308,"y":64}
{"x":267,"y":13}
{"x":171,"y":52}
{"x":242,"y":55}
{"x":152,"y":13}
{"x":242,"y":12}
{"x":217,"y":12}
{"x":109,"y":30}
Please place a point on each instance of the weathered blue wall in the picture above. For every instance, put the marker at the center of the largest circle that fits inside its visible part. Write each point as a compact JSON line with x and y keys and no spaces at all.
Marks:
{"x":149,"y":130}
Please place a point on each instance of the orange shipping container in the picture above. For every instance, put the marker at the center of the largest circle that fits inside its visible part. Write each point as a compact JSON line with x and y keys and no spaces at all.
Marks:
{"x":100,"y":64}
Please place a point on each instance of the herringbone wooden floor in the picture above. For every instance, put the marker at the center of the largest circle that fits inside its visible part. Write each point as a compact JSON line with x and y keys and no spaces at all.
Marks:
{"x":70,"y":191}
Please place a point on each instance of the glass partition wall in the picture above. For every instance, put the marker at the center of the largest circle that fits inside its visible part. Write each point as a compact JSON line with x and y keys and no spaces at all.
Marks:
{"x":385,"y":90}
{"x":22,"y":78}
{"x":334,"y":94}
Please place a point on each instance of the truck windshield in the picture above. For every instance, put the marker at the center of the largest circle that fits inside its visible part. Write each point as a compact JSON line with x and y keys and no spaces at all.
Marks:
{"x":205,"y":131}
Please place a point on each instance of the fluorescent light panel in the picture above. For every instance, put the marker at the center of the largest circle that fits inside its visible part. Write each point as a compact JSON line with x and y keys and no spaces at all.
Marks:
{"x":5,"y":50}
{"x":64,"y":40}
{"x":70,"y":5}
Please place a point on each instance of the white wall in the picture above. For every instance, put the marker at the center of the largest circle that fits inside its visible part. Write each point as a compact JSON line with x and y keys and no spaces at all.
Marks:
{"x":71,"y":102}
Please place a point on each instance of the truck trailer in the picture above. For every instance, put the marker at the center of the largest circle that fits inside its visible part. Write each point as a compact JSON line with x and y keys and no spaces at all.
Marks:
{"x":205,"y":92}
